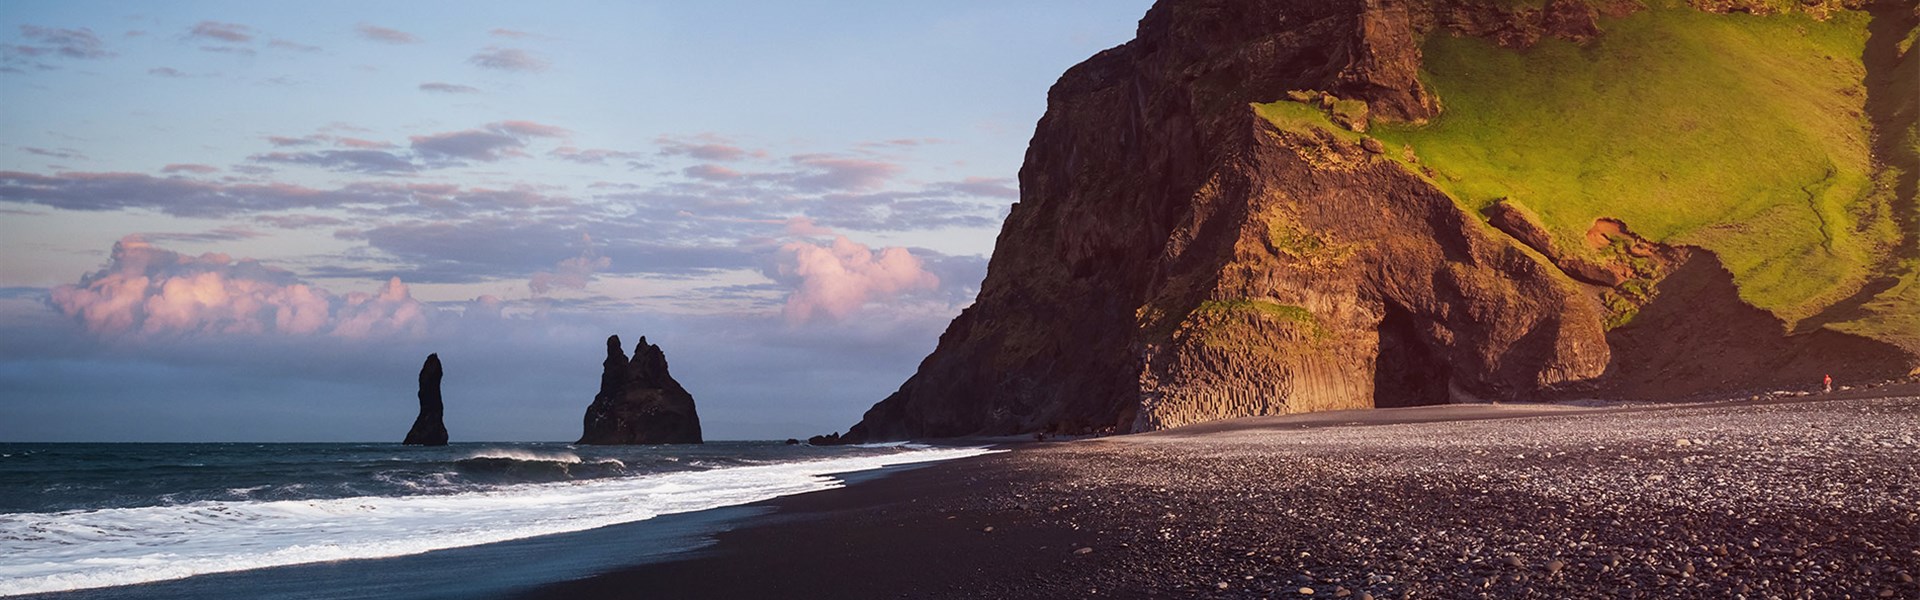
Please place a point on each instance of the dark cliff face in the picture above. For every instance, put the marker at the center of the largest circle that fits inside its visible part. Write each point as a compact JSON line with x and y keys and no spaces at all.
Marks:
{"x":429,"y":429}
{"x":1178,"y":255}
{"x":1174,"y":258}
{"x":639,"y":402}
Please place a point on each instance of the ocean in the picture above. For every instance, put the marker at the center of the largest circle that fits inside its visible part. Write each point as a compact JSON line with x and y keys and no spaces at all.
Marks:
{"x":117,"y":518}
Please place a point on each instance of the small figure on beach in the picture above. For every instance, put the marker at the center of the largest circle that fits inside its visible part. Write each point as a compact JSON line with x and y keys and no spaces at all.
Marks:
{"x":1829,"y":383}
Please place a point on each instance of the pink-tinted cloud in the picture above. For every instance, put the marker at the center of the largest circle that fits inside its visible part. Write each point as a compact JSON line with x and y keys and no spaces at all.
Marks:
{"x":146,"y":291}
{"x":508,"y":59}
{"x":347,"y":142}
{"x":292,"y":45}
{"x":806,"y":227}
{"x":573,"y":273}
{"x":711,"y":172}
{"x":168,"y":72}
{"x":189,"y":168}
{"x":385,"y":35}
{"x":705,"y":146}
{"x":529,"y":129}
{"x":834,"y":281}
{"x":828,"y":172}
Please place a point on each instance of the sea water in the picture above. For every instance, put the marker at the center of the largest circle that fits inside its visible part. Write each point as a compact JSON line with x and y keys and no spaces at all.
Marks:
{"x":84,"y":516}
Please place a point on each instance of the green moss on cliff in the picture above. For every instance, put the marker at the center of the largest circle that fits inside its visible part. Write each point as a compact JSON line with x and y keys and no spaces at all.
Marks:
{"x":1741,"y":134}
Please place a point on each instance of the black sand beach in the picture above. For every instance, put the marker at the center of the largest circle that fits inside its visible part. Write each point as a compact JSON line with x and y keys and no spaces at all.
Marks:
{"x":1796,"y":498}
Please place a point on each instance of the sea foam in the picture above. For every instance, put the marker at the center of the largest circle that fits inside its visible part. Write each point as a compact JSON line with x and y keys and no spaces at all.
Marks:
{"x":72,"y":550}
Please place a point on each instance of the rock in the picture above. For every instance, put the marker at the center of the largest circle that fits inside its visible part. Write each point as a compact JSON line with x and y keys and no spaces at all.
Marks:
{"x":1306,"y":591}
{"x":1221,"y":585}
{"x":1141,"y":249}
{"x":1364,"y":596}
{"x":430,"y":428}
{"x":1373,"y":145}
{"x":831,"y":439}
{"x":1083,"y":551}
{"x":1683,"y":442}
{"x":1514,"y":561}
{"x":639,"y":402}
{"x":793,"y":442}
{"x":1554,"y":566}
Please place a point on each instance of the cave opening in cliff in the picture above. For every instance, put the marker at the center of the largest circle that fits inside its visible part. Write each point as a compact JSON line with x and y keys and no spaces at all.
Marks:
{"x":1407,"y":371}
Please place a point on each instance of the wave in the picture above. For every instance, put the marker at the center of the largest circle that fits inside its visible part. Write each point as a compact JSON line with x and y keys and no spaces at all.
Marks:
{"x":82,"y":549}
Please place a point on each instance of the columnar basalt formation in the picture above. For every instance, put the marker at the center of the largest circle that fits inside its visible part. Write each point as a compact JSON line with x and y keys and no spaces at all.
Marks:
{"x":639,"y":402}
{"x":430,"y":428}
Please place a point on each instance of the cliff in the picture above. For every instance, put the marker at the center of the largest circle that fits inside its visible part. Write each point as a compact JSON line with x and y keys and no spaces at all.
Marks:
{"x":429,"y":429}
{"x":1262,"y":207}
{"x":639,"y":402}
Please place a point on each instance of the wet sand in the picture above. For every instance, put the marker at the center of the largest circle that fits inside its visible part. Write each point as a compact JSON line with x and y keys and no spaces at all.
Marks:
{"x":1787,"y":498}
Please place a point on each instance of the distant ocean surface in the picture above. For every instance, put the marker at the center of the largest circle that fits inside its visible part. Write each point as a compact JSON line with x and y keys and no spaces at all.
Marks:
{"x":82,"y":516}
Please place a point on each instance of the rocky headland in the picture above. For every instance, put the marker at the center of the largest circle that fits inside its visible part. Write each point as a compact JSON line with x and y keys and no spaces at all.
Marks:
{"x":1262,"y":207}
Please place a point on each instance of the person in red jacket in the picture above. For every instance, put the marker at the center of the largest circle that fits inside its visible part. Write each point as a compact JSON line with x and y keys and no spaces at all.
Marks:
{"x":1829,"y":383}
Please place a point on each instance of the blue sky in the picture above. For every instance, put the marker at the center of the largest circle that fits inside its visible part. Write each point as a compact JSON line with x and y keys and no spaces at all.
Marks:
{"x":251,"y":221}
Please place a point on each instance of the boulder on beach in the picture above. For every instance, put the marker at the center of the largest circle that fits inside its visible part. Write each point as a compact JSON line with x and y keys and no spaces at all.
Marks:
{"x":639,"y":402}
{"x":430,"y":428}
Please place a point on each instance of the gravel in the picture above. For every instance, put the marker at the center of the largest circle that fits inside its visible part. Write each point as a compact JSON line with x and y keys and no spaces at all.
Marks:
{"x":1807,"y":499}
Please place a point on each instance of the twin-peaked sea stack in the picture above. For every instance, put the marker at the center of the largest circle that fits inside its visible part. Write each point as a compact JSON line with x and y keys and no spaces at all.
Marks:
{"x":430,"y":428}
{"x":639,"y":403}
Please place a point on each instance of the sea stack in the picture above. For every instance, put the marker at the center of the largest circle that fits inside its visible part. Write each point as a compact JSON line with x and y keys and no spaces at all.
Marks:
{"x":639,"y":403}
{"x":429,"y":429}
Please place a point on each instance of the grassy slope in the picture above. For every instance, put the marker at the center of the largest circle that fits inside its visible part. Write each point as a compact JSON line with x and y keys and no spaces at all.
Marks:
{"x":1736,"y":133}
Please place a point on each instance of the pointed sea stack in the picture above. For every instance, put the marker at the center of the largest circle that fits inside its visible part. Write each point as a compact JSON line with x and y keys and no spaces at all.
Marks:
{"x":429,"y":429}
{"x":639,"y":403}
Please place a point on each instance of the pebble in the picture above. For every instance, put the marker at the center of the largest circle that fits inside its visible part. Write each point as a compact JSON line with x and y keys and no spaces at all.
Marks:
{"x":1306,"y":591}
{"x":1083,"y":551}
{"x":1555,"y":566}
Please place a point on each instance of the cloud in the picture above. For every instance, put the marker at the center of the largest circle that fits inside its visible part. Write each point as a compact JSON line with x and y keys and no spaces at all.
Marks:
{"x":592,"y":156}
{"x":705,"y":146}
{"x":64,"y":153}
{"x":347,"y":142}
{"x":448,"y":88}
{"x":357,"y":161}
{"x":508,"y":59}
{"x":834,"y":281}
{"x":281,"y":141}
{"x":189,"y":168}
{"x":573,"y":273}
{"x":300,"y":221}
{"x":146,"y":291}
{"x":230,"y":233}
{"x":986,"y":187}
{"x":828,"y":172}
{"x":185,"y":197}
{"x":224,"y":32}
{"x":515,"y":34}
{"x":472,"y":144}
{"x":167,"y":72}
{"x":498,"y":140}
{"x":529,"y":129}
{"x":711,"y":172}
{"x":292,"y":45}
{"x":385,"y":35}
{"x":38,"y":42}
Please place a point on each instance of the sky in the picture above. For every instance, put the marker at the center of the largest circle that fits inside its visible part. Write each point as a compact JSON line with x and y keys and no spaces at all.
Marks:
{"x":252,"y":221}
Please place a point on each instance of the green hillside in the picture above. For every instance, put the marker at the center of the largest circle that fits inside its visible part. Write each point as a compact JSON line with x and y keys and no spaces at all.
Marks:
{"x":1742,"y":134}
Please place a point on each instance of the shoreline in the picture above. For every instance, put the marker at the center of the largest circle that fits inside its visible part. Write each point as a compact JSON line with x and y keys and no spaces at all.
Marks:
{"x":1653,"y":500}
